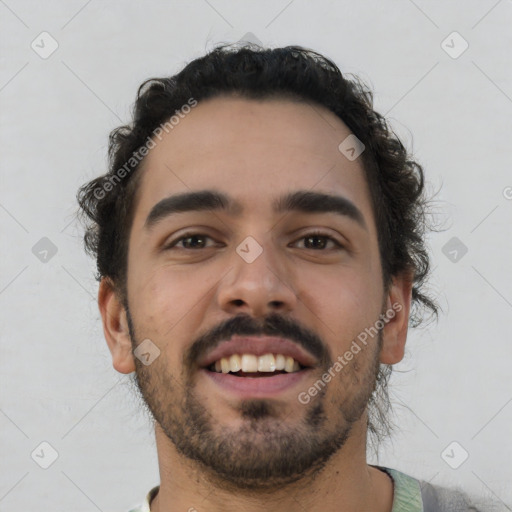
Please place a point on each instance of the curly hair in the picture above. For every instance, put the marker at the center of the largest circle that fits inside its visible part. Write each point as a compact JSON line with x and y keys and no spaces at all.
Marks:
{"x":396,"y":181}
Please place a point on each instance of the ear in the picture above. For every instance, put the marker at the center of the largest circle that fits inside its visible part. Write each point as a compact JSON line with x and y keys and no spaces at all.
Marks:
{"x":115,"y":327}
{"x":398,"y":307}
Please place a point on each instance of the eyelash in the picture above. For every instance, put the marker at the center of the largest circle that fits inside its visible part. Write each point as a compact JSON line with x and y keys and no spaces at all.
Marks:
{"x":193,"y":234}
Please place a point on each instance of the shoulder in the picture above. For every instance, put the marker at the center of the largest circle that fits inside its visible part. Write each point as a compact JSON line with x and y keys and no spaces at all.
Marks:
{"x":411,"y":494}
{"x":437,"y":498}
{"x":440,"y":499}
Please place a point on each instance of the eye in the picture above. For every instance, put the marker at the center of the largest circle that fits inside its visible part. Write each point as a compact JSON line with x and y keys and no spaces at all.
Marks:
{"x":316,"y":241}
{"x":190,"y":241}
{"x":319,"y":241}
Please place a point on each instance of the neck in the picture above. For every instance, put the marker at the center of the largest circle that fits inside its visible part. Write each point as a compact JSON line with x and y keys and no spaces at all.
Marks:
{"x":345,"y":483}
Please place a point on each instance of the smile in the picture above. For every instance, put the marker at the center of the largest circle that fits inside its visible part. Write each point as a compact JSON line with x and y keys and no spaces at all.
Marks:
{"x":251,"y":365}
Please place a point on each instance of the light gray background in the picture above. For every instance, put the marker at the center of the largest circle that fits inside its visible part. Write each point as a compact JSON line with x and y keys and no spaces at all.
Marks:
{"x":57,"y":382}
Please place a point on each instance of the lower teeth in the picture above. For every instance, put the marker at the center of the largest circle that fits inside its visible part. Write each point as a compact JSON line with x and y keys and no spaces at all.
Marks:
{"x":241,"y":373}
{"x":252,"y":374}
{"x":256,"y":374}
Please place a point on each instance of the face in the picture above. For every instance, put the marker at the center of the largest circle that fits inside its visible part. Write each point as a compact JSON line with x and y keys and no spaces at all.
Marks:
{"x":254,"y":246}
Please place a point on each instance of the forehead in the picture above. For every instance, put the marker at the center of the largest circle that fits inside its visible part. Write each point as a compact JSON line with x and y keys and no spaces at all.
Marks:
{"x":254,"y":151}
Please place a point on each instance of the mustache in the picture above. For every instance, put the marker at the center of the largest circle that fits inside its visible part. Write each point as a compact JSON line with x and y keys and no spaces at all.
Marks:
{"x":271,"y":325}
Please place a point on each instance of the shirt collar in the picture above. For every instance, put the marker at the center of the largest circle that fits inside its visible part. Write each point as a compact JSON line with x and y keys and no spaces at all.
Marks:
{"x":149,"y":498}
{"x":406,"y":493}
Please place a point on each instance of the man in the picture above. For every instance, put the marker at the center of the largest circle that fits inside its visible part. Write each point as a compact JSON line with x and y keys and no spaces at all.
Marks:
{"x":259,"y":242}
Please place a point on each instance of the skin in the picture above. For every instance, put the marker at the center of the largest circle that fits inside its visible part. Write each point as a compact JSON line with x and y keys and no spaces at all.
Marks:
{"x":255,"y":151}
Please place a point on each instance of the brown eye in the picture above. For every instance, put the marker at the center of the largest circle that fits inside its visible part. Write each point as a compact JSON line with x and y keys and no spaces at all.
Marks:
{"x":190,"y":241}
{"x":319,"y":241}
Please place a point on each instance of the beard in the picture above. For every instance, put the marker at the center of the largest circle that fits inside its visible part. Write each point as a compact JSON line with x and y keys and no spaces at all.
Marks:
{"x":264,"y":451}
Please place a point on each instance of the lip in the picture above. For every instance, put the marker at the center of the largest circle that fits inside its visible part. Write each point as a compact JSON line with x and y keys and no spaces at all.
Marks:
{"x":256,"y":387}
{"x":258,"y":346}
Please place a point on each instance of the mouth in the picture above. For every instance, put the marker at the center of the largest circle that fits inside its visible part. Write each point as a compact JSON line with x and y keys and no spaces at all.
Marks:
{"x":244,"y":385}
{"x":250,"y":365}
{"x":257,"y":367}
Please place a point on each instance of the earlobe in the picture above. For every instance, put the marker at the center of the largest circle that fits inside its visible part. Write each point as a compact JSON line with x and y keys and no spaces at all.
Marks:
{"x":394,"y":333}
{"x":115,"y":327}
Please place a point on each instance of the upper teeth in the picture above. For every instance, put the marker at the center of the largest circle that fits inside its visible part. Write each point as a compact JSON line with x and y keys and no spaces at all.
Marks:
{"x":252,"y":363}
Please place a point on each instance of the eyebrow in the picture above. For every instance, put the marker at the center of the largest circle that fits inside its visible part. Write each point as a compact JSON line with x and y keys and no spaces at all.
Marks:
{"x":210,"y":200}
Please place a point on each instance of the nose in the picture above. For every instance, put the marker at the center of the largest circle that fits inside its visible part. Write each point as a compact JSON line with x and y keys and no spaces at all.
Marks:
{"x":257,"y":286}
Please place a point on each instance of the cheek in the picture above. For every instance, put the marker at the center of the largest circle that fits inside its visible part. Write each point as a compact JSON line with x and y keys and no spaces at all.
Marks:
{"x":166,"y":296}
{"x":344,"y":305}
